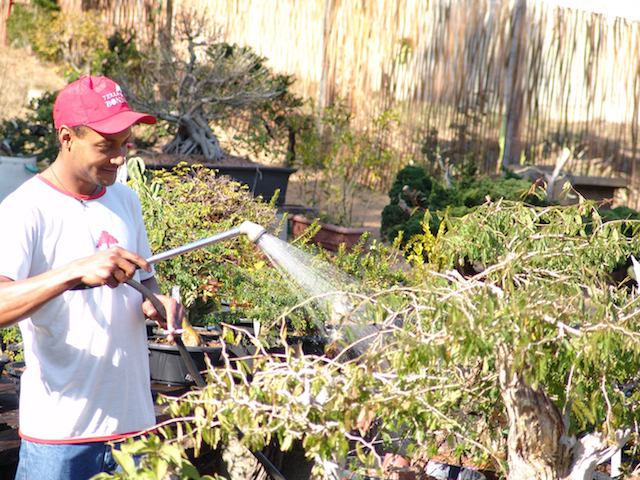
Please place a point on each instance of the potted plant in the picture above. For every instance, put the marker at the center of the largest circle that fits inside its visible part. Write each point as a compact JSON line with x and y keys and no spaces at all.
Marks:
{"x":195,"y":86}
{"x":227,"y":282}
{"x":328,"y":236}
{"x":337,"y":163}
{"x":189,"y":203}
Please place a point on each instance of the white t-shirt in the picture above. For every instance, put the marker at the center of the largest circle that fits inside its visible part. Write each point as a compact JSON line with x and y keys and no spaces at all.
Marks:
{"x":87,"y":364}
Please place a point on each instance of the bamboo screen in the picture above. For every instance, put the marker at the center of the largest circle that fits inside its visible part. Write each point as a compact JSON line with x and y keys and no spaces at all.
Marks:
{"x":460,"y":73}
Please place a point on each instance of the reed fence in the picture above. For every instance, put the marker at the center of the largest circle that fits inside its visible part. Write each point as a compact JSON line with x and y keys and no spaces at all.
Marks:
{"x":490,"y":81}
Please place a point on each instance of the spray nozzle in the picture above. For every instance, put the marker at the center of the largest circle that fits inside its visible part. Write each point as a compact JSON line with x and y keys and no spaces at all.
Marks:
{"x":253,"y":231}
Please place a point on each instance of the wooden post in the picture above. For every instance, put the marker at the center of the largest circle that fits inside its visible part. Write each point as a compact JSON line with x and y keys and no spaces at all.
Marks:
{"x":325,"y":93}
{"x":513,"y":90}
{"x":167,"y":34}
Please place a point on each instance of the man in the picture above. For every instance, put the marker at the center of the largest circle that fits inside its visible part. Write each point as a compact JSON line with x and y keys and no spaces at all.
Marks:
{"x":87,"y":369}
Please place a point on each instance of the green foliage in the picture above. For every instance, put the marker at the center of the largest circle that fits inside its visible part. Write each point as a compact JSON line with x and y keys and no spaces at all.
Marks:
{"x":188,"y":204}
{"x":158,"y":460}
{"x":548,"y":296}
{"x":34,"y":135}
{"x":337,"y":161}
{"x":622,"y":214}
{"x":12,"y":335}
{"x":191,"y":203}
{"x":26,"y":19}
{"x":121,"y":54}
{"x":70,"y":40}
{"x":543,"y":310}
{"x":414,"y":192}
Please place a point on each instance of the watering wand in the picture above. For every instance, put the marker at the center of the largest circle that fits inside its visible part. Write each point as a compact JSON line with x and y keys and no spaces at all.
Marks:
{"x":253,"y":231}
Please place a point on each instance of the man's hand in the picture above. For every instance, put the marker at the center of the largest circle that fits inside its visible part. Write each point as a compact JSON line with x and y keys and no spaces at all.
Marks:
{"x":174,"y":310}
{"x":110,"y":267}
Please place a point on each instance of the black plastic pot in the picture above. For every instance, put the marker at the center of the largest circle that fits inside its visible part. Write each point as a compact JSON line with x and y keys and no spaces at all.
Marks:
{"x":4,"y":360}
{"x":261,"y":179}
{"x":167,"y":366}
{"x":310,"y":345}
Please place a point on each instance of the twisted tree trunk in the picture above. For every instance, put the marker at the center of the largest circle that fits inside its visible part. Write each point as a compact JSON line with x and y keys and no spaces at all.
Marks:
{"x":538,"y":446}
{"x":195,"y":137}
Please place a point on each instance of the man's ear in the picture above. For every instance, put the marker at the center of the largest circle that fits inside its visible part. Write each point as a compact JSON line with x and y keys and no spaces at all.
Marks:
{"x":65,"y":135}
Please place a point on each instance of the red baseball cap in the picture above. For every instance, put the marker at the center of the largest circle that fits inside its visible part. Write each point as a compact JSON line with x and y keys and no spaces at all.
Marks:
{"x":98,"y":103}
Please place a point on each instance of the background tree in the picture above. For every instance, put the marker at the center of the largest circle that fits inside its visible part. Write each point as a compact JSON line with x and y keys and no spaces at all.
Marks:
{"x":201,"y":81}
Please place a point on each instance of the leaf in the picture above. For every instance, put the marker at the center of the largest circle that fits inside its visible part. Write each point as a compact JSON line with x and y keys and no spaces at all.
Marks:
{"x":126,"y":461}
{"x":287,"y":443}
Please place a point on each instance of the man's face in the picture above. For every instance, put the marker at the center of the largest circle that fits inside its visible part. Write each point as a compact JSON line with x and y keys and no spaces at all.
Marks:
{"x":96,"y":157}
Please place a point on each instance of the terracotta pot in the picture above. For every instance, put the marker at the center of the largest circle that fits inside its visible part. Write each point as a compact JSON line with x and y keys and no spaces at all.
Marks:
{"x":329,"y":236}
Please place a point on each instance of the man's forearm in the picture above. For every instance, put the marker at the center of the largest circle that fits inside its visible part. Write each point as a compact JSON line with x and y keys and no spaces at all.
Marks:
{"x":18,"y":300}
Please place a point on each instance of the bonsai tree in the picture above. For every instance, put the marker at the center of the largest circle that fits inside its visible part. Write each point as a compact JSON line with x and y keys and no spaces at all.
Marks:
{"x":195,"y":82}
{"x":530,"y":366}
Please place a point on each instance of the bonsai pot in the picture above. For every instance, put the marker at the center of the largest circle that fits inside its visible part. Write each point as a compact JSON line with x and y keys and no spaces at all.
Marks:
{"x":261,"y":179}
{"x":167,"y":366}
{"x":329,"y":236}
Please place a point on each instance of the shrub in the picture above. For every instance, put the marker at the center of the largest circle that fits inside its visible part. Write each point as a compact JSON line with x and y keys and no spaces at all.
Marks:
{"x":338,"y":162}
{"x":197,"y":82}
{"x":537,"y":348}
{"x":25,"y":20}
{"x":414,"y":192}
{"x":70,"y":40}
{"x":187,"y":204}
{"x":34,"y":135}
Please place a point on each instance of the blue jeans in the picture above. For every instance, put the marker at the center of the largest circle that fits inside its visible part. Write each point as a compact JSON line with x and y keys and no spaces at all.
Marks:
{"x":77,"y":461}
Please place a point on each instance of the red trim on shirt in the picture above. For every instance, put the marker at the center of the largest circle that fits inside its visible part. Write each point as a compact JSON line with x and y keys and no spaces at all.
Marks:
{"x":67,"y":441}
{"x":93,"y":196}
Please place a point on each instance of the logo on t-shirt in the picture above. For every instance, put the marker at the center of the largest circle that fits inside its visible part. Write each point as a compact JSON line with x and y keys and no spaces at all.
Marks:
{"x":106,"y":240}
